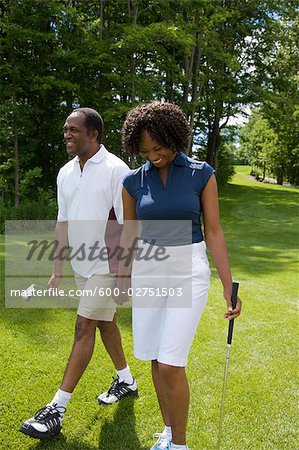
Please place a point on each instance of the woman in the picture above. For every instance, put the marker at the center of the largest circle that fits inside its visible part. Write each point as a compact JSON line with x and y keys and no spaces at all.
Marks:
{"x":170,"y":187}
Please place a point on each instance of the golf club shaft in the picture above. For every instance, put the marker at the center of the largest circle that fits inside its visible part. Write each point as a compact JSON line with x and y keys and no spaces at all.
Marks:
{"x":223,"y":396}
{"x":235,"y":288}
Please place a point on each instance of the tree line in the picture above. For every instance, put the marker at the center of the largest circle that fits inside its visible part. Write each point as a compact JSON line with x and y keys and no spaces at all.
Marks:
{"x":211,"y":57}
{"x":270,"y":139}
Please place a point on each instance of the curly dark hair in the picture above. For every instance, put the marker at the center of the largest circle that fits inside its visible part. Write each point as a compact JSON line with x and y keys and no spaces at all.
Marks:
{"x":165,"y":122}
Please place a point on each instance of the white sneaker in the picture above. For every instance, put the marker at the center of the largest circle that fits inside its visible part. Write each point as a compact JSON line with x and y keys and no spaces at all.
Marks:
{"x":46,"y":422}
{"x":117,"y":391}
{"x":163,"y":443}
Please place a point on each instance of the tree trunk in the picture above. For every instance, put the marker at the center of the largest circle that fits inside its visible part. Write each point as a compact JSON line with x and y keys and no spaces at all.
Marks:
{"x":17,"y":167}
{"x":102,"y":19}
{"x":133,"y":13}
{"x":214,"y":138}
{"x":69,"y":101}
{"x":15,"y":132}
{"x":169,"y":87}
{"x":195,"y":92}
{"x":132,"y":77}
{"x":264,"y":170}
{"x":279,"y":176}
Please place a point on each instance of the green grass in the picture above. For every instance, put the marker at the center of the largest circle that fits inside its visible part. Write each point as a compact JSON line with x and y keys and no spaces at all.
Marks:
{"x":261,"y":410}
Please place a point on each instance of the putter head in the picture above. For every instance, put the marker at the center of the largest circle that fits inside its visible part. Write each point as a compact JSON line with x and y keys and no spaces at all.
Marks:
{"x":27,"y":293}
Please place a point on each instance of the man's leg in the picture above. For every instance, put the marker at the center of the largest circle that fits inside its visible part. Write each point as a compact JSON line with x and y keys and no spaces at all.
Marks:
{"x":81,"y":352}
{"x":112,"y":341}
{"x":124,"y":385}
{"x":48,"y":420}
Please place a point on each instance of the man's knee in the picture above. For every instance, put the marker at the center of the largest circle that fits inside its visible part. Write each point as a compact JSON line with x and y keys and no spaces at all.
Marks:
{"x":107,"y":328}
{"x":84,"y":327}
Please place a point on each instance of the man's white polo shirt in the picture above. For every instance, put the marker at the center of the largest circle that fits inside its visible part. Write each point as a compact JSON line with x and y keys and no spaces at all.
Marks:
{"x":85,"y":199}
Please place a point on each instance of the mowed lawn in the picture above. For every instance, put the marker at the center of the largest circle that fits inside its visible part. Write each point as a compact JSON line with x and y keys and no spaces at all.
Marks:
{"x":261,"y":410}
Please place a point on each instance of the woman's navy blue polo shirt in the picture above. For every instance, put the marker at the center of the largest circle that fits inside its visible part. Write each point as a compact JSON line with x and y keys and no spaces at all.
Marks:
{"x":178,"y":199}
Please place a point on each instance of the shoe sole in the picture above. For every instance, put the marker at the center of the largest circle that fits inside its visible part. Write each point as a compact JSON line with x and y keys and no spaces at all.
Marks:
{"x":33,"y":433}
{"x":129,"y":394}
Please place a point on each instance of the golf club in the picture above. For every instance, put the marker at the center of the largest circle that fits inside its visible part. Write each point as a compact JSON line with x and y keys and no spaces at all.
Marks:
{"x":30,"y":291}
{"x":229,"y":341}
{"x":27,"y":293}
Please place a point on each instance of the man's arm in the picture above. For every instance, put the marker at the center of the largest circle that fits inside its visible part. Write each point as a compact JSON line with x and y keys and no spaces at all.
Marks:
{"x":61,"y":236}
{"x":117,"y":185}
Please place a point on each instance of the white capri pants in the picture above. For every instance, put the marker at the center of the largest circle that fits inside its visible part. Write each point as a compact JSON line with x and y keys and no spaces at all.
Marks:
{"x":168,"y":301}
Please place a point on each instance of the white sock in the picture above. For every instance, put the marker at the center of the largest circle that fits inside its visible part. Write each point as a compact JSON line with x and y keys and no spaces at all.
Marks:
{"x":179,"y":447}
{"x":61,"y":398}
{"x":125,"y":375}
{"x":167,"y":432}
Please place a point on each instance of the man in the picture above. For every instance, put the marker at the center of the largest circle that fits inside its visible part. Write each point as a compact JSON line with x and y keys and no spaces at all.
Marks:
{"x":89,"y":191}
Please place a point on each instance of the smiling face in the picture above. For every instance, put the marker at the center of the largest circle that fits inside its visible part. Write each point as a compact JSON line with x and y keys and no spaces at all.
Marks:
{"x":154,"y":152}
{"x":79,"y":140}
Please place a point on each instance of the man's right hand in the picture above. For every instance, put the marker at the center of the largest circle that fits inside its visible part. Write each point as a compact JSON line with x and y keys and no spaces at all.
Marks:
{"x":54,"y":281}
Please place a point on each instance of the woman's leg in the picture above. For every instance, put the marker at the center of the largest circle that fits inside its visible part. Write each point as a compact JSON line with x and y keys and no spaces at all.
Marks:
{"x":160,"y":391}
{"x":173,"y":395}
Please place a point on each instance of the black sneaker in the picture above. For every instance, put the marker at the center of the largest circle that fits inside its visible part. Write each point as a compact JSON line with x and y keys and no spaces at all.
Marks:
{"x":117,"y":391}
{"x":46,"y":422}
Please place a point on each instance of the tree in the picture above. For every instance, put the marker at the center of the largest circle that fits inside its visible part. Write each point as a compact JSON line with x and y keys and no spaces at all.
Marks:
{"x":281,"y":99}
{"x":209,"y":57}
{"x":259,"y":145}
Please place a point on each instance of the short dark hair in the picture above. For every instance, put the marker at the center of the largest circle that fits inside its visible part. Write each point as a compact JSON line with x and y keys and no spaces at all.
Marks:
{"x":165,"y":122}
{"x":93,"y":121}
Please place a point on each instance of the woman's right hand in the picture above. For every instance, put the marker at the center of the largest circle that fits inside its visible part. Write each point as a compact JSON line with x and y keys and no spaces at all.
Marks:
{"x":120,"y":292}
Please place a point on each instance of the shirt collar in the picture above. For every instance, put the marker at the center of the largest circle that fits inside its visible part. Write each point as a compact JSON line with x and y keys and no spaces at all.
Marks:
{"x":180,"y":160}
{"x":98,"y":156}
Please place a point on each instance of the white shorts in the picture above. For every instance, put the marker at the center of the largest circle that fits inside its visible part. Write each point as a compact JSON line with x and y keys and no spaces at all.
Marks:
{"x":94,"y":302}
{"x":164,"y":325}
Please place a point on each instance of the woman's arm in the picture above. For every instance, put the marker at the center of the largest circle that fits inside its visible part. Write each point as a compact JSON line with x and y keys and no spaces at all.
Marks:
{"x":216,"y":243}
{"x":128,"y":246}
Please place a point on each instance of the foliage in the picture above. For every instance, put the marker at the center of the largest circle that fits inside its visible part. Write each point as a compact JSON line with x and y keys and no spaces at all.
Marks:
{"x":210,"y":57}
{"x":264,"y":148}
{"x":43,"y":208}
{"x":281,"y":103}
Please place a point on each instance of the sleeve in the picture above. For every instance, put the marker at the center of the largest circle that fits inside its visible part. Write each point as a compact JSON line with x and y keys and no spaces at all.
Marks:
{"x":206,"y":172}
{"x":129,"y":182}
{"x":62,"y":208}
{"x":117,"y":183}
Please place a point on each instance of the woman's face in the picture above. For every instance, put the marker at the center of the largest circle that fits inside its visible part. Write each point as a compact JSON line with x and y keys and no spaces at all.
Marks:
{"x":150,"y":150}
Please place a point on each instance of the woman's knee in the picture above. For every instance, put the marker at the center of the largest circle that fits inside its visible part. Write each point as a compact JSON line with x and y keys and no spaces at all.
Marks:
{"x":170,"y":373}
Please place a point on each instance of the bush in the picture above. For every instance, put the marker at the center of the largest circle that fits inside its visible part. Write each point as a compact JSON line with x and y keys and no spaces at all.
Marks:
{"x":28,"y":210}
{"x":226,"y":168}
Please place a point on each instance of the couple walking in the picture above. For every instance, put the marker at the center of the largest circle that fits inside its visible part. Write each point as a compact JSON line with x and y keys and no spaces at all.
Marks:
{"x":95,"y":186}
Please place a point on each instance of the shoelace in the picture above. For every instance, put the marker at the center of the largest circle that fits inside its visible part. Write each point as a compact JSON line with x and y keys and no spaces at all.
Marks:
{"x":117,"y":388}
{"x":114,"y":386}
{"x":49,"y":415}
{"x":163,"y":439}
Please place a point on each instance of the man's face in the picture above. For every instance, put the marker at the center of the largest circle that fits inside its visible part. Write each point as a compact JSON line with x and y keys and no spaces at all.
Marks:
{"x":77,"y":137}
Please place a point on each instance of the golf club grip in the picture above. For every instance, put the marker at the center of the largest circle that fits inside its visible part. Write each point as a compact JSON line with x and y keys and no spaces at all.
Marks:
{"x":234,"y":303}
